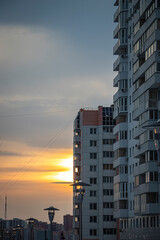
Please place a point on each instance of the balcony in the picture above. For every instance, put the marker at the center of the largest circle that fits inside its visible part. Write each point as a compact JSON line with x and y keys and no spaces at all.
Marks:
{"x":120,"y":48}
{"x":120,"y":161}
{"x":76,"y":138}
{"x":120,"y":59}
{"x":146,"y":188}
{"x":120,"y":196}
{"x":120,"y":127}
{"x":116,"y":14}
{"x":145,"y":167}
{"x":120,"y":93}
{"x":121,"y":178}
{"x":116,"y":3}
{"x":121,"y":110}
{"x":142,"y":148}
{"x":152,"y":208}
{"x":146,"y":25}
{"x":77,"y":163}
{"x":121,"y":213}
{"x":120,"y":76}
{"x":143,"y":68}
{"x":120,"y":144}
{"x":76,"y":225}
{"x":115,"y":32}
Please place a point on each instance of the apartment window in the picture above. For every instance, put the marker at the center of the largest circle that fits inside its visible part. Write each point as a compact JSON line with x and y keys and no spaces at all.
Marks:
{"x":93,"y":143}
{"x":93,"y":155}
{"x":93,"y":206}
{"x":93,"y":180}
{"x":93,"y":168}
{"x":108,"y":141}
{"x":108,"y":205}
{"x":151,"y":50}
{"x":108,"y":218}
{"x":107,"y":192}
{"x":151,"y":177}
{"x":93,"y":219}
{"x":108,"y":154}
{"x":93,"y":193}
{"x":108,"y":129}
{"x":107,"y":179}
{"x":93,"y":232}
{"x":107,"y":166}
{"x":109,"y":231}
{"x":93,"y":130}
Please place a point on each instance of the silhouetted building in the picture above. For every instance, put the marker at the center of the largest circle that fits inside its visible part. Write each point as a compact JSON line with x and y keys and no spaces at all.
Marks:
{"x":68,"y":222}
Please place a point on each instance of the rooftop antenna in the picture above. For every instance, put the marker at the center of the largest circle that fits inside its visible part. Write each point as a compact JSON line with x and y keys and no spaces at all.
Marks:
{"x":5,"y":212}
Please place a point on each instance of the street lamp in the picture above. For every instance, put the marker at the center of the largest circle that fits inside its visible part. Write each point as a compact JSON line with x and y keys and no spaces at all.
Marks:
{"x":51,"y":213}
{"x":31,"y":222}
{"x":80,"y":189}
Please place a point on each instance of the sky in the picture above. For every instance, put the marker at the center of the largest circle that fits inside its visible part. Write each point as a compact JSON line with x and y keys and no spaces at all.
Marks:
{"x":56,"y":56}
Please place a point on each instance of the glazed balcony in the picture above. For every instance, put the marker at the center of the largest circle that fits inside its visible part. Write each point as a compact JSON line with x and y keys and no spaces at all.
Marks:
{"x":151,"y":187}
{"x":120,"y":59}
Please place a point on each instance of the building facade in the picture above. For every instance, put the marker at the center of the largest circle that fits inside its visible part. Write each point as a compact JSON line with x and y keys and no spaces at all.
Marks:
{"x":136,"y":104}
{"x":93,"y":164}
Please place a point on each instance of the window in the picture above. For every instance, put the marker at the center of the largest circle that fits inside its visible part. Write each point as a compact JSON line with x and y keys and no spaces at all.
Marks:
{"x":107,"y":192}
{"x":107,"y":166}
{"x":93,"y":218}
{"x":93,"y":193}
{"x":108,"y":154}
{"x":93,"y":168}
{"x":109,"y":141}
{"x":93,"y":155}
{"x":93,"y":232}
{"x":93,"y":130}
{"x":108,"y":218}
{"x":93,"y":143}
{"x":109,"y":231}
{"x":108,"y":129}
{"x":108,"y":205}
{"x":107,"y":179}
{"x":93,"y":180}
{"x":93,"y":206}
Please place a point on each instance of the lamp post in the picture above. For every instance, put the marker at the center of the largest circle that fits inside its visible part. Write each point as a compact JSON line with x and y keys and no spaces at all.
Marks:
{"x":31,"y":222}
{"x":80,"y":189}
{"x":51,"y":213}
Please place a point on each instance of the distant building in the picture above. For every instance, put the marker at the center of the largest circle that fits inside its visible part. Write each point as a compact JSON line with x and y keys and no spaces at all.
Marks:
{"x":68,"y":222}
{"x":93,"y":163}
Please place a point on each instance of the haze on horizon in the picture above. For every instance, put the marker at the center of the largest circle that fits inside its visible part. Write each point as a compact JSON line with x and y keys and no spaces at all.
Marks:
{"x":56,"y":57}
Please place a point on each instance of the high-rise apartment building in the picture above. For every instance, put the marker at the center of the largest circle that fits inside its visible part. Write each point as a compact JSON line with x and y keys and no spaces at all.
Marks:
{"x":93,"y":164}
{"x":137,"y":104}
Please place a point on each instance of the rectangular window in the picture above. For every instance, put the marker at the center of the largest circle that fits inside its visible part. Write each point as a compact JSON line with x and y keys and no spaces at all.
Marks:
{"x":93,"y":155}
{"x":107,"y":192}
{"x":107,"y":166}
{"x":93,"y":168}
{"x":107,"y":179}
{"x":93,"y":143}
{"x":93,"y":130}
{"x":108,"y":154}
{"x":93,"y":180}
{"x":93,"y":232}
{"x":93,"y":193}
{"x":93,"y":219}
{"x":93,"y":206}
{"x":108,"y":205}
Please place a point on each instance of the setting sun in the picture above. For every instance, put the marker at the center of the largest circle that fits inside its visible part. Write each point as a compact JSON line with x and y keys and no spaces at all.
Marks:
{"x":66,"y":176}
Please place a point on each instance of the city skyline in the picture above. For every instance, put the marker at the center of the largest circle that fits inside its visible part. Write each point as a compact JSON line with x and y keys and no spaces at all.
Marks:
{"x":49,"y":53}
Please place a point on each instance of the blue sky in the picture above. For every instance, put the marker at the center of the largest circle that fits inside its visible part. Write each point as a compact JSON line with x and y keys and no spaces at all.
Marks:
{"x":56,"y":57}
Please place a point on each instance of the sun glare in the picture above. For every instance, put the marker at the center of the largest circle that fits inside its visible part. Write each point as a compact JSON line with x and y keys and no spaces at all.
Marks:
{"x":68,"y":175}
